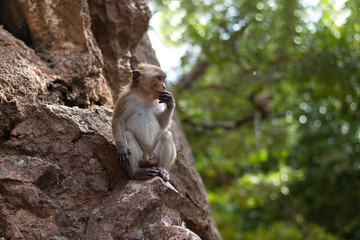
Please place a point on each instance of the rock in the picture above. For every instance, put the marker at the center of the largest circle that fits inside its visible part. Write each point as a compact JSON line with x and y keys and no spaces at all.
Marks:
{"x":62,"y":43}
{"x":145,"y":52}
{"x":66,"y":182}
{"x":61,"y":65}
{"x":141,"y":210}
{"x":61,"y":36}
{"x":118,"y":27}
{"x":53,"y":173}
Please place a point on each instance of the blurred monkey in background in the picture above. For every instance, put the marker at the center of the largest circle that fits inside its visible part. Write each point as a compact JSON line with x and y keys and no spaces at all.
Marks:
{"x":261,"y":103}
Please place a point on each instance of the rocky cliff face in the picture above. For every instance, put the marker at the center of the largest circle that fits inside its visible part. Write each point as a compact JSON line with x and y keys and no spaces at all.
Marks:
{"x":61,"y":65}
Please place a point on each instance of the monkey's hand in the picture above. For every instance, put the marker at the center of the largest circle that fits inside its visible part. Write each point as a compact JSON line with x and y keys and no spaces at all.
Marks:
{"x":123,"y":157}
{"x":167,"y":98}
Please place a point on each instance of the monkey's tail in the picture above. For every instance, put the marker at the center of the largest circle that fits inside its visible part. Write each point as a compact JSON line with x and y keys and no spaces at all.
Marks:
{"x":257,"y":132}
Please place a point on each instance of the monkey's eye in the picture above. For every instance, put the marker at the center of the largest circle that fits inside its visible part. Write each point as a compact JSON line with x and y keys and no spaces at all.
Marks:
{"x":160,"y":78}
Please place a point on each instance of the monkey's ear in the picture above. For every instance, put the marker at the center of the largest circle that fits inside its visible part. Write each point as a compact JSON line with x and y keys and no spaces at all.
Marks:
{"x":136,"y":75}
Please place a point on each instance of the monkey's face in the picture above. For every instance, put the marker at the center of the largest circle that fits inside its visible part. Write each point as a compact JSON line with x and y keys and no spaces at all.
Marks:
{"x":149,"y":80}
{"x":155,"y":83}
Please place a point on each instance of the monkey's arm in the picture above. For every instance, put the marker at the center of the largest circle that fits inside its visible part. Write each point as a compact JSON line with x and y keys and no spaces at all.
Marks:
{"x":165,"y":116}
{"x":118,"y":129}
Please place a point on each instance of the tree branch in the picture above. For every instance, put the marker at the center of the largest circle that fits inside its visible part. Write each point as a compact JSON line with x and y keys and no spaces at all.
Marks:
{"x":188,"y":79}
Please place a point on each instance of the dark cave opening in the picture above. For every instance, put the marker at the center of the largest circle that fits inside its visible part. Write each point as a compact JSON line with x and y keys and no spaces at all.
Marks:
{"x":14,"y":21}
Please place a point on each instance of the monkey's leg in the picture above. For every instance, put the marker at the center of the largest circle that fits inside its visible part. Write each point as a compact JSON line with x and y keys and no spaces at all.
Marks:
{"x":165,"y":151}
{"x":136,"y":156}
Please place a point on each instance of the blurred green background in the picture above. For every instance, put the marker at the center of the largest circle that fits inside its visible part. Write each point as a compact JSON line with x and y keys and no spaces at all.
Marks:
{"x":295,"y":173}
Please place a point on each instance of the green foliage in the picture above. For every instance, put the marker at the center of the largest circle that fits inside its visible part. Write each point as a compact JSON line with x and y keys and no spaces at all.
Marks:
{"x":301,"y":178}
{"x":282,"y":231}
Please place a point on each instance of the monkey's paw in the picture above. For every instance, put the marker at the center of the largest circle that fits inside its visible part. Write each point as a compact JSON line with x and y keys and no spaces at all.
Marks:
{"x":123,"y":158}
{"x":147,"y":173}
{"x":167,"y":98}
{"x":164,"y":174}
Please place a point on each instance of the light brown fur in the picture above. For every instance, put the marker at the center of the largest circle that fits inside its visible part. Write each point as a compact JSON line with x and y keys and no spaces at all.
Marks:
{"x":140,"y":124}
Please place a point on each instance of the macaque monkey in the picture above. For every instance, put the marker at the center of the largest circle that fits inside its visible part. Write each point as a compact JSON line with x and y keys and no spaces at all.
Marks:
{"x":140,"y":124}
{"x":261,"y":103}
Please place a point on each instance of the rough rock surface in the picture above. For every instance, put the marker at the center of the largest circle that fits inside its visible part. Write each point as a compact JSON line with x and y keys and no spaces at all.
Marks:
{"x":118,"y":27}
{"x":61,"y":64}
{"x":150,"y":217}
